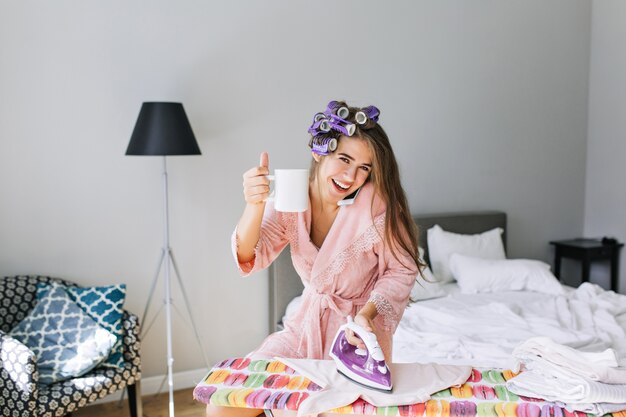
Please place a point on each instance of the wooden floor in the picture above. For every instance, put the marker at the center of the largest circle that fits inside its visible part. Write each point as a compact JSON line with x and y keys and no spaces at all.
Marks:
{"x":153,"y":406}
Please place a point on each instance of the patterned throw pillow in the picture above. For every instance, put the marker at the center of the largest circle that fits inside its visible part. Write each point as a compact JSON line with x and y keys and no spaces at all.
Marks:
{"x":66,"y":341}
{"x":18,"y":298}
{"x":105,"y":305}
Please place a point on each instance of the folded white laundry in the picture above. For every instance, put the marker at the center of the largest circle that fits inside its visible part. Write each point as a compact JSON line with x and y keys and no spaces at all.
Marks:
{"x":599,"y":409}
{"x":412,"y":383}
{"x":564,"y":389}
{"x":596,"y":366}
{"x":548,"y":369}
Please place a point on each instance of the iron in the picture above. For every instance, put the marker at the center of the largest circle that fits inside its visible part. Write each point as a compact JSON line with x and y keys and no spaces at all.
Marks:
{"x":367,"y":366}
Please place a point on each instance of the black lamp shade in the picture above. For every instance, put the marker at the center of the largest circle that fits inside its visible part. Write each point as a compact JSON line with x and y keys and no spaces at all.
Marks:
{"x":162,"y":129}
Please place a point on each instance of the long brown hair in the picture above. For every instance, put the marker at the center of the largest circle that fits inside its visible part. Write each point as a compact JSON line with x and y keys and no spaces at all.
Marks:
{"x":400,"y":230}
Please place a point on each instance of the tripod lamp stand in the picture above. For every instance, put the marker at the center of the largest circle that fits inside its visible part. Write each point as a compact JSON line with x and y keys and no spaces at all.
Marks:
{"x":162,"y":129}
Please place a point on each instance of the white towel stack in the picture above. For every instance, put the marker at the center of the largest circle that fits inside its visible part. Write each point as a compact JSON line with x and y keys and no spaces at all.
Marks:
{"x":591,"y":382}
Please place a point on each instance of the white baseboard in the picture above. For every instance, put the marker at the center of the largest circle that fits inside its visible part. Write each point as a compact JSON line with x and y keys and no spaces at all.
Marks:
{"x":150,"y":386}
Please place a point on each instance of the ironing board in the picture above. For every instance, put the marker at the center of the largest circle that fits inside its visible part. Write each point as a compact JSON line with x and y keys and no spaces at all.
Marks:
{"x":271,"y":385}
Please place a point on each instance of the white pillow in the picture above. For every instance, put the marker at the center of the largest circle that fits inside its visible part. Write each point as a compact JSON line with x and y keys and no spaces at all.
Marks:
{"x":426,"y":286}
{"x":442,"y":244}
{"x":293,"y":306}
{"x":488,"y":275}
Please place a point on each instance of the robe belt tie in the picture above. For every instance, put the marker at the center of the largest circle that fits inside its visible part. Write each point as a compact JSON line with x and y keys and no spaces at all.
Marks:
{"x":318,"y":302}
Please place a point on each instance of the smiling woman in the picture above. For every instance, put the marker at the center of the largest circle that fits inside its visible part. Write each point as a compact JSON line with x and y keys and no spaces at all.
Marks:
{"x":355,"y":248}
{"x":335,"y":177}
{"x":347,"y":169}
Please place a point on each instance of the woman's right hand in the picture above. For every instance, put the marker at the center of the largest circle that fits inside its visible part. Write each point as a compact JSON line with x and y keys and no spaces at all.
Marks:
{"x":256,"y":185}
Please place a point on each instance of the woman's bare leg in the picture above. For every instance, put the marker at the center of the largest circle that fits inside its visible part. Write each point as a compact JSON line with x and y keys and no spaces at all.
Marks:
{"x":284,"y":413}
{"x":214,"y":411}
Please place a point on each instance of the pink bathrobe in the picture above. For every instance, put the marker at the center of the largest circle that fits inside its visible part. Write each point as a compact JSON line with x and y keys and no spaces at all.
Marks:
{"x":353,"y":266}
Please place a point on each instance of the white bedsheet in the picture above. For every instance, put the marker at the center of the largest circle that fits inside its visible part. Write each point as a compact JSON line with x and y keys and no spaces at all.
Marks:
{"x":483,"y":329}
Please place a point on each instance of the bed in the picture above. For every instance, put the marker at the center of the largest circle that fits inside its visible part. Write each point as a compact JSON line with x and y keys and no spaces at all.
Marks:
{"x":479,"y":329}
{"x":482,"y":329}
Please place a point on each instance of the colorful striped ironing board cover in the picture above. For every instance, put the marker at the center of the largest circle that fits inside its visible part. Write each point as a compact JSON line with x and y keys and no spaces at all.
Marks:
{"x":267,"y":384}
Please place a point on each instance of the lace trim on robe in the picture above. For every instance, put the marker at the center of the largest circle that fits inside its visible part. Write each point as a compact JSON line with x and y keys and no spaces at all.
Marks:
{"x":364,"y":243}
{"x":384,"y":308}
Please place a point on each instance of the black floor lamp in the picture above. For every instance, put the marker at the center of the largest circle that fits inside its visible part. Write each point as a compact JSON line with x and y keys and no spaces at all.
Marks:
{"x":162,"y":129}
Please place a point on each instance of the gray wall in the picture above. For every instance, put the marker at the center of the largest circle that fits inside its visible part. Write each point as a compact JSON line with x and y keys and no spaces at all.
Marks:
{"x":485,"y":103}
{"x":605,"y":202}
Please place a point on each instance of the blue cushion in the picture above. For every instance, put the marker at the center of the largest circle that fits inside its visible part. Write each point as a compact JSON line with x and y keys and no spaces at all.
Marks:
{"x":66,"y":341}
{"x":105,"y":305}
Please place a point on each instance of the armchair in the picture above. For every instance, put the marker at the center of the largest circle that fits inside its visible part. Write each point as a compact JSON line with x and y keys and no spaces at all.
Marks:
{"x":21,"y":394}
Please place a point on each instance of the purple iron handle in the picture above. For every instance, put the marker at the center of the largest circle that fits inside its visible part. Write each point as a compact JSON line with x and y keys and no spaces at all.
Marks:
{"x":368,"y":338}
{"x":363,"y":366}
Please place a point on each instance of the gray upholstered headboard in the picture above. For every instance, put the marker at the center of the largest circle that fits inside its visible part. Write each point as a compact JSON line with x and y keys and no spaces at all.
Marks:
{"x":285,"y":283}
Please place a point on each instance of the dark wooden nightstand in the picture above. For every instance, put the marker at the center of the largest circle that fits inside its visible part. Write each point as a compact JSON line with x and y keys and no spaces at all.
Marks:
{"x":586,"y":251}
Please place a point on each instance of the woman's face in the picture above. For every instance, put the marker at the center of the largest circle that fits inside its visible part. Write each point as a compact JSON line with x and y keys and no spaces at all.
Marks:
{"x":345,"y":170}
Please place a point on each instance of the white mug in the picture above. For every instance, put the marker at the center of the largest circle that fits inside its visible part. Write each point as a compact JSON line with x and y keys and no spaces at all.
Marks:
{"x":291,"y":190}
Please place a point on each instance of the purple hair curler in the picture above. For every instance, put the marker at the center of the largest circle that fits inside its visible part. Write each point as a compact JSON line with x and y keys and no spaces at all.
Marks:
{"x":324,"y":146}
{"x":342,"y":112}
{"x":332,"y":106}
{"x":319,"y":127}
{"x":335,"y":118}
{"x":325,"y":126}
{"x":318,"y":117}
{"x":360,"y":117}
{"x":340,"y":125}
{"x":337,"y":109}
{"x":369,"y":112}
